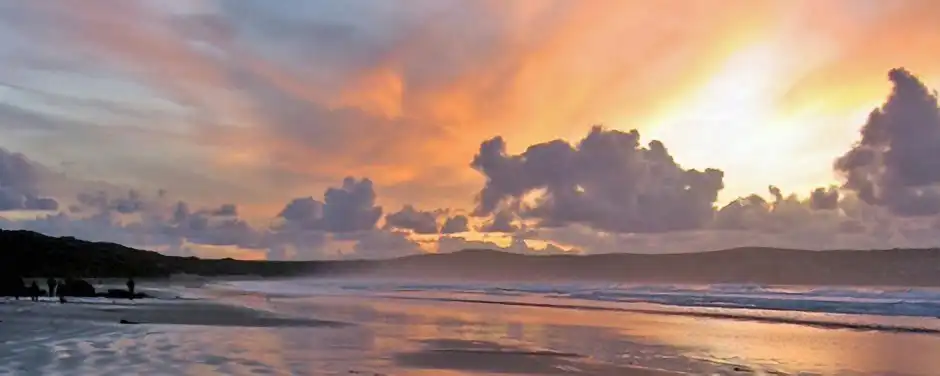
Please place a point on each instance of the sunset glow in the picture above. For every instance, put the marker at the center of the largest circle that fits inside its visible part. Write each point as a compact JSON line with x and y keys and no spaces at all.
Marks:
{"x":258,"y":106}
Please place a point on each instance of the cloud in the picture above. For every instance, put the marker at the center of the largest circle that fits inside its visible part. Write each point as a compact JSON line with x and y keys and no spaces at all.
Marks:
{"x":502,"y":221}
{"x":304,"y":211}
{"x":783,"y":214}
{"x":516,"y":244}
{"x":374,"y":104}
{"x":456,"y":224}
{"x":606,"y":181}
{"x":306,"y":228}
{"x":384,"y":244}
{"x":351,"y":207}
{"x":19,"y":184}
{"x":345,"y":209}
{"x":205,"y":227}
{"x":896,"y":163}
{"x":409,"y":218}
{"x":132,"y":202}
{"x":226,"y":210}
{"x":824,"y":199}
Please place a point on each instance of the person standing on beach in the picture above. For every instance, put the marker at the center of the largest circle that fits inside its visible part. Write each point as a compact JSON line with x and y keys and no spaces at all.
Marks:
{"x":34,"y":292}
{"x":51,"y":285}
{"x":130,"y":287}
{"x":60,"y":291}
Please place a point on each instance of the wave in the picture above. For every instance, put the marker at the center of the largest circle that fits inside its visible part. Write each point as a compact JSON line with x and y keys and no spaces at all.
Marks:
{"x":826,"y":324}
{"x":887,"y":302}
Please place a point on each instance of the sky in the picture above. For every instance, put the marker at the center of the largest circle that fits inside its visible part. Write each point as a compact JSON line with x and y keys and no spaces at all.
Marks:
{"x":317,"y":129}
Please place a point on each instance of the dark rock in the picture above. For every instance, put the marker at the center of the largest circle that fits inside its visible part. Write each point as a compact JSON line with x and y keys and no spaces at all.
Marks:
{"x":77,"y":288}
{"x":12,"y":286}
{"x":122,"y":294}
{"x":128,"y":322}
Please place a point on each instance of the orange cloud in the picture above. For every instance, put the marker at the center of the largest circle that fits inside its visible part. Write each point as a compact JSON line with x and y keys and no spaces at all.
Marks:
{"x":408,"y":105}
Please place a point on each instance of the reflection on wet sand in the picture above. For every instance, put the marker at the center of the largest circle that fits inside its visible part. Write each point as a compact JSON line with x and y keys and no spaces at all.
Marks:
{"x":412,"y":332}
{"x":326,"y":335}
{"x":478,"y":356}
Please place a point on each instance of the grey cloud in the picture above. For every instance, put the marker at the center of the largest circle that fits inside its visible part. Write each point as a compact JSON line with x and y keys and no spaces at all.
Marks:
{"x":409,"y":218}
{"x":308,"y":225}
{"x":742,"y":213}
{"x":345,"y":209}
{"x":852,"y":226}
{"x":225,"y":210}
{"x":306,"y":233}
{"x":41,"y":203}
{"x":804,"y":237}
{"x":456,"y":224}
{"x":384,"y":244}
{"x":896,"y":164}
{"x":132,"y":202}
{"x":295,"y":242}
{"x":824,"y":199}
{"x":607,"y":181}
{"x":19,"y":184}
{"x":303,"y":210}
{"x":784,"y":214}
{"x":776,"y":192}
{"x":502,"y":221}
{"x":351,"y":207}
{"x":517,"y":245}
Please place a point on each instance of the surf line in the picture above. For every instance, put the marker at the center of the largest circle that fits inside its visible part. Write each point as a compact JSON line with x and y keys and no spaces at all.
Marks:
{"x":712,"y":315}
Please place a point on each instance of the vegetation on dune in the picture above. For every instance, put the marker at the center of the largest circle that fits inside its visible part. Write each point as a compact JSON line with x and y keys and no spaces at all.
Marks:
{"x":29,"y":254}
{"x":26,"y":254}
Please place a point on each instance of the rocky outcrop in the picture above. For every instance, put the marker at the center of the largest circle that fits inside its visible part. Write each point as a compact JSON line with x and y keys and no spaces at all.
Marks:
{"x":12,"y":286}
{"x":122,"y":294}
{"x":77,"y":288}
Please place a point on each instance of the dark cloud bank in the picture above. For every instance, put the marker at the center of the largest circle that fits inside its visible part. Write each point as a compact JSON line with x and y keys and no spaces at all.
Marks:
{"x":607,"y":192}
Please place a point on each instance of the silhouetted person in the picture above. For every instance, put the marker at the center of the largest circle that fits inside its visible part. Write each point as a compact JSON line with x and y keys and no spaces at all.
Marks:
{"x":130,"y":287}
{"x":60,"y":290}
{"x":51,"y":285}
{"x":34,"y":292}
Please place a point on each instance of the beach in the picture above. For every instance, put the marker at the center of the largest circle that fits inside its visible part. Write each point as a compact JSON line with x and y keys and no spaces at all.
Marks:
{"x":313,"y":327}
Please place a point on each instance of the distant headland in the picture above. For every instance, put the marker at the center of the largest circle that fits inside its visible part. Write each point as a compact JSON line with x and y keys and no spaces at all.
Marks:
{"x":30,"y":254}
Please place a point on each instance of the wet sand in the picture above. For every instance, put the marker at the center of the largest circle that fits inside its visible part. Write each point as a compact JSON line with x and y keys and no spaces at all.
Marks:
{"x":257,"y":334}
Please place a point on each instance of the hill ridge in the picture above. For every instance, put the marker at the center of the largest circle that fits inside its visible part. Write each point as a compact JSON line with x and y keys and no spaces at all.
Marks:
{"x":31,"y":254}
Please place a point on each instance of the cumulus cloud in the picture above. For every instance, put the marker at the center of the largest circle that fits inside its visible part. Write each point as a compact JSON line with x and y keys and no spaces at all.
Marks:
{"x":384,"y":244}
{"x":824,"y":198}
{"x":517,"y":244}
{"x":226,"y":210}
{"x":19,"y":184}
{"x":607,"y":181}
{"x":305,"y":211}
{"x":129,"y":203}
{"x":456,"y":224}
{"x":502,"y":221}
{"x":896,"y":163}
{"x":307,"y":228}
{"x":783,"y":214}
{"x":605,"y":193}
{"x":351,"y":207}
{"x":205,"y":227}
{"x":348,"y":208}
{"x":409,"y":218}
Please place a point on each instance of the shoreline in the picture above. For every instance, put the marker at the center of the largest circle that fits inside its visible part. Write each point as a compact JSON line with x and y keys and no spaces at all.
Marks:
{"x":214,"y":330}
